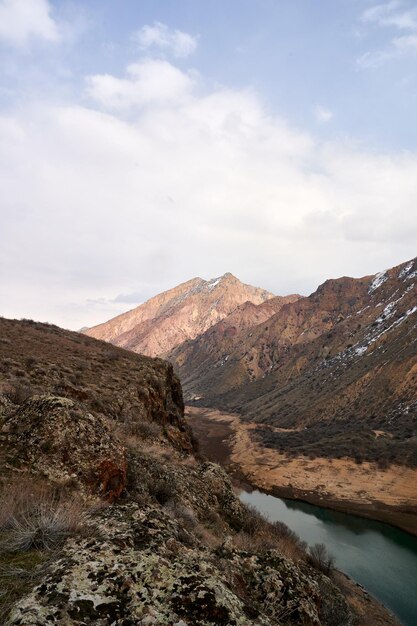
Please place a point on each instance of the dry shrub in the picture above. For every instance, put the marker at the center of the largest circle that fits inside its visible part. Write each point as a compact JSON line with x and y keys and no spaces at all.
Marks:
{"x":208,"y":538}
{"x":253,"y":520}
{"x":18,"y":392}
{"x":144,"y":429}
{"x":258,"y":534}
{"x":162,"y":490}
{"x":184,"y":514}
{"x":320,"y":558}
{"x":35,"y":516}
{"x":214,"y":522}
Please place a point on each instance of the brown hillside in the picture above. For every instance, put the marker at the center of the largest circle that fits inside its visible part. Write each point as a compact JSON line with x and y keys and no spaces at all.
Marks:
{"x":200,"y":358}
{"x":129,"y":388}
{"x":81,"y":420}
{"x":342,"y":362}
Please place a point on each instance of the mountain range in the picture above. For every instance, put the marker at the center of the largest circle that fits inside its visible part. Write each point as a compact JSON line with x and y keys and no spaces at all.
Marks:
{"x":342,"y":358}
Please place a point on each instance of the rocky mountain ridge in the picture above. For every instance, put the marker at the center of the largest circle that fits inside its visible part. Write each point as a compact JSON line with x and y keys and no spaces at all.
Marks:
{"x":344,"y":357}
{"x":163,"y":322}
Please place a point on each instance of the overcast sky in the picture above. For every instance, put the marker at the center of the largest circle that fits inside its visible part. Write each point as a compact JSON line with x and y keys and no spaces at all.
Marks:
{"x":143,"y":143}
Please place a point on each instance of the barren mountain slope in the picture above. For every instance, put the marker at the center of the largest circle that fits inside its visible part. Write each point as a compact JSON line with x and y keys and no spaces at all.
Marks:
{"x":165,"y":321}
{"x":345,"y":357}
{"x":271,"y":343}
{"x":198,"y":359}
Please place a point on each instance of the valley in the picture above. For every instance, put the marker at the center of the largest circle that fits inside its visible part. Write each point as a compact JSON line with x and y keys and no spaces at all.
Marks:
{"x":316,"y":395}
{"x":109,"y":515}
{"x":311,"y":399}
{"x":387,"y":495}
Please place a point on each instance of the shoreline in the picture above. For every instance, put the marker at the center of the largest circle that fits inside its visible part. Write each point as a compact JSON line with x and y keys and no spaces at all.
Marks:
{"x":215,"y":437}
{"x":393,"y":518}
{"x":215,"y":440}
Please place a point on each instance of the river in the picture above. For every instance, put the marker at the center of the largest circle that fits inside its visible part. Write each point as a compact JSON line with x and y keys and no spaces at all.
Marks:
{"x":381,"y":558}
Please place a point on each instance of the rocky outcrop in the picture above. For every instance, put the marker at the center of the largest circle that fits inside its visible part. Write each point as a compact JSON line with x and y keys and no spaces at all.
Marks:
{"x":138,"y":568}
{"x":163,"y":322}
{"x":55,"y":438}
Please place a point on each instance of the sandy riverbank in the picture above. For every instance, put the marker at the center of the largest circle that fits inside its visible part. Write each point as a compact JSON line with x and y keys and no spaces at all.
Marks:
{"x":386,"y":495}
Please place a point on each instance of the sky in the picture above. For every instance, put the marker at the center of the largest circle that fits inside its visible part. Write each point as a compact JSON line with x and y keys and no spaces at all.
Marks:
{"x":145,"y":142}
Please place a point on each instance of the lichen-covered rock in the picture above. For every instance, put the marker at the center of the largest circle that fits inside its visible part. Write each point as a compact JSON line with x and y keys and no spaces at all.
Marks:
{"x":134,"y":570}
{"x":5,"y":407}
{"x":55,"y":438}
{"x":218,"y":484}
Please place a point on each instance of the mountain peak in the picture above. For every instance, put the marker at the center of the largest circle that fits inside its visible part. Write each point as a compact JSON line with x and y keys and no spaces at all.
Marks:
{"x":174,"y":316}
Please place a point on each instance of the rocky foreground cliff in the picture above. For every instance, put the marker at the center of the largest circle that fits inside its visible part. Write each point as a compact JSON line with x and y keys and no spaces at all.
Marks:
{"x":108,"y":518}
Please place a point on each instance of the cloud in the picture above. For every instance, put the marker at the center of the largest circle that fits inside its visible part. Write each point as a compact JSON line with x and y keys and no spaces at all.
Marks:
{"x":159,"y":36}
{"x":130,"y":298}
{"x":406,"y":43}
{"x":391,"y":15}
{"x":399,"y":47}
{"x":149,"y":81}
{"x":195,"y":181}
{"x":376,"y":58}
{"x":322,"y":114}
{"x":24,"y":20}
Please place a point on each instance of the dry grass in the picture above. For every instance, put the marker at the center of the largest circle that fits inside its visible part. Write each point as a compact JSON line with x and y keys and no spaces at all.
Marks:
{"x":36,"y":516}
{"x":258,"y":535}
{"x":18,"y":392}
{"x":34,"y":521}
{"x":124,"y":386}
{"x":19,"y":572}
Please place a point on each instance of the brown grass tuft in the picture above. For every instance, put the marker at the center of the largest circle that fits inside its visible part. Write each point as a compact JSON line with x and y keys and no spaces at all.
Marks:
{"x":35,"y":516}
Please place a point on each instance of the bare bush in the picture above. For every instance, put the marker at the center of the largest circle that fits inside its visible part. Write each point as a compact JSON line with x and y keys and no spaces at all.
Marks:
{"x":258,"y":534}
{"x":321,"y":559}
{"x":184,"y":514}
{"x":162,"y":490}
{"x":144,"y":429}
{"x":18,"y":393}
{"x":253,"y":520}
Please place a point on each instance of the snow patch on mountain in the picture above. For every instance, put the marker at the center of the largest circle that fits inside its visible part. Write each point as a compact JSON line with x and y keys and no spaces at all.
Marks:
{"x":379,"y":279}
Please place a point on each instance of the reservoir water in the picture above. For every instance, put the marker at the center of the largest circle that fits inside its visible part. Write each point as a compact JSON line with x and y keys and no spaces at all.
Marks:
{"x":379,"y":557}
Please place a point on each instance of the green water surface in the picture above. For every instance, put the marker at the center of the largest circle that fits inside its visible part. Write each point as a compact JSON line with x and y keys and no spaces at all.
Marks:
{"x":379,"y":557}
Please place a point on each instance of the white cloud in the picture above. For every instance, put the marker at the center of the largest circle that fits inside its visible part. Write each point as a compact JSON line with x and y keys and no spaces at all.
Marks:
{"x":394,"y":15}
{"x":24,"y":20}
{"x":399,"y":47}
{"x":406,"y":43}
{"x":322,"y":114}
{"x":149,"y":81}
{"x":178,"y":43}
{"x":197,"y":182}
{"x":376,"y":58}
{"x":391,"y":14}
